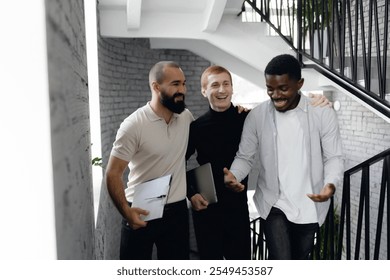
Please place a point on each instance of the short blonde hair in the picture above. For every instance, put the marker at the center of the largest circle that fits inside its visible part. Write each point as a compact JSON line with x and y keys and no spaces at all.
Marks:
{"x":214,"y":69}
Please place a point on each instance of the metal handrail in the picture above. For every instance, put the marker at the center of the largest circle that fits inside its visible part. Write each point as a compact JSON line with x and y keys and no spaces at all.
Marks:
{"x":364,"y":209}
{"x":346,"y":48}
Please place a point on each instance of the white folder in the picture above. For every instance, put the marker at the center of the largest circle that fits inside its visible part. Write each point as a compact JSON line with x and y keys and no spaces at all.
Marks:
{"x":152,"y":196}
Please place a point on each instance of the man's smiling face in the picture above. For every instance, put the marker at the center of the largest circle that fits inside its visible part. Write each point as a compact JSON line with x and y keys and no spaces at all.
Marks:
{"x":283,"y":91}
{"x":219,"y":91}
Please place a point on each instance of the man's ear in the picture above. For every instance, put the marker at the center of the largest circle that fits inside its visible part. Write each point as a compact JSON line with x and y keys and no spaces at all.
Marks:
{"x":204,"y":92}
{"x":300,"y":83}
{"x":156,"y":86}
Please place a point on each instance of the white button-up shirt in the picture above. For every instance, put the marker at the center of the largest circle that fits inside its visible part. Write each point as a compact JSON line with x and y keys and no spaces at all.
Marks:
{"x":321,"y":136}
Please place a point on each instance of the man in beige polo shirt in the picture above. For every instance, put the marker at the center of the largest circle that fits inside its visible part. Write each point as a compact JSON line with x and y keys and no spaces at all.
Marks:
{"x":152,"y":142}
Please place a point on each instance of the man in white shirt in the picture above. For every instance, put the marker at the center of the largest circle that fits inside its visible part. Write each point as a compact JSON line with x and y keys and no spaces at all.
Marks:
{"x":301,"y":163}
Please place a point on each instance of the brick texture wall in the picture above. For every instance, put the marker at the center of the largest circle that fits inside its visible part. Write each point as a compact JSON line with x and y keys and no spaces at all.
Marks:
{"x":124,"y":66}
{"x":68,"y":87}
{"x":364,"y":135}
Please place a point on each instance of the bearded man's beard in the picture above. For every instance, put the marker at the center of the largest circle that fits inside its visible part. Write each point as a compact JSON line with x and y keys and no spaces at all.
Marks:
{"x":170,"y":103}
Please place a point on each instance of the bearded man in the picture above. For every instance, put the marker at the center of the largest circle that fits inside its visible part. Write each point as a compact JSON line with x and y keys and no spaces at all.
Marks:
{"x":152,"y":142}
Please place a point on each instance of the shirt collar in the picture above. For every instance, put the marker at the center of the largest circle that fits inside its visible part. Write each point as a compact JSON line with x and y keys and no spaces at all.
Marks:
{"x":303,"y":103}
{"x":230,"y":110}
{"x":152,"y":116}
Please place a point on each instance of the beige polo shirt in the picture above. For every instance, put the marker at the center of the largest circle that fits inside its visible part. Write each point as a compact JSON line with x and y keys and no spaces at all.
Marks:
{"x":153,"y":149}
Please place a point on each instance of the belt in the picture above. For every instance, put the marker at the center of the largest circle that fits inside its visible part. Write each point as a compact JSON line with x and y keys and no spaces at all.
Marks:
{"x":179,"y":205}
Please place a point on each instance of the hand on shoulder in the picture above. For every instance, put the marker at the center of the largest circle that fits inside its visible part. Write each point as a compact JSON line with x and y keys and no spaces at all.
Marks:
{"x":241,"y":109}
{"x":319,"y":100}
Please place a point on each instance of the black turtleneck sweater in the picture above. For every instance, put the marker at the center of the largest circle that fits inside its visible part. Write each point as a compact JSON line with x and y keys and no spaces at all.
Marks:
{"x":215,"y":136}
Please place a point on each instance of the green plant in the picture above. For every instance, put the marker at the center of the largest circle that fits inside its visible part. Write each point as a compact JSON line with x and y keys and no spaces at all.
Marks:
{"x":316,"y":14}
{"x":97,"y":161}
{"x":323,"y":238}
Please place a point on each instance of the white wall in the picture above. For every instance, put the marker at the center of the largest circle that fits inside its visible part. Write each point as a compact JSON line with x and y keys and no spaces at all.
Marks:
{"x":26,"y":196}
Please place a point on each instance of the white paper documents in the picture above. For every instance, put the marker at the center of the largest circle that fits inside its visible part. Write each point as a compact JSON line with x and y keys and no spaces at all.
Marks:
{"x":152,"y":196}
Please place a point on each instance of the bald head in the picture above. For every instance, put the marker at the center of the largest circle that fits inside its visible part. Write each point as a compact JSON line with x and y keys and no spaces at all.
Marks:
{"x":156,"y":74}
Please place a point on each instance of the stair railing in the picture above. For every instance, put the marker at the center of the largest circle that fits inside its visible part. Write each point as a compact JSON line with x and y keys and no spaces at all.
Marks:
{"x":364,"y":209}
{"x":347,"y":40}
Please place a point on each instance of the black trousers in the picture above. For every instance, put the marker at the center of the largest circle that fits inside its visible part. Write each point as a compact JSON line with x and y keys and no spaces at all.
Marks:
{"x":223,"y":232}
{"x":286,"y":240}
{"x":170,"y":234}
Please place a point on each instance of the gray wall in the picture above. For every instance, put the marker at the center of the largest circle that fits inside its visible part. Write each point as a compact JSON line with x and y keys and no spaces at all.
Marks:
{"x":364,"y":135}
{"x":124,"y":66}
{"x":70,"y":129}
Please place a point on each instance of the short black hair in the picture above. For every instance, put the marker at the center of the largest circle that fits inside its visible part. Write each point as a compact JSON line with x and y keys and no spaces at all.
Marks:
{"x":284,"y":64}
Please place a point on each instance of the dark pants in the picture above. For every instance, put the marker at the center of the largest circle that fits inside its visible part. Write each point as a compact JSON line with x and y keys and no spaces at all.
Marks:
{"x":170,"y":234}
{"x":286,"y":240}
{"x":222,"y":233}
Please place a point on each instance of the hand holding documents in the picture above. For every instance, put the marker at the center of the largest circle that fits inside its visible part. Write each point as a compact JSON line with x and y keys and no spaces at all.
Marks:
{"x":152,"y":196}
{"x":202,"y":180}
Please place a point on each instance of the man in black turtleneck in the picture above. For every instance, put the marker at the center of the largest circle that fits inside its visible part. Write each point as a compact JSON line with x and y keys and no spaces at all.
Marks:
{"x":222,"y":229}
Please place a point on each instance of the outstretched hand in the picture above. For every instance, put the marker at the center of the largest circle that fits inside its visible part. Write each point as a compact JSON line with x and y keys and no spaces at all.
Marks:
{"x":231,"y":181}
{"x":326,"y":192}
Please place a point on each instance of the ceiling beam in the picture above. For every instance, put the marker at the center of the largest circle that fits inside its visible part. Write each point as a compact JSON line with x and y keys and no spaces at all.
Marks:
{"x":213,"y":14}
{"x":133,"y":13}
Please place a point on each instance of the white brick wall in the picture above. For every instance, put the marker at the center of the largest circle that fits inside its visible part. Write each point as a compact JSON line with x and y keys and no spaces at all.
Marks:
{"x":364,"y":135}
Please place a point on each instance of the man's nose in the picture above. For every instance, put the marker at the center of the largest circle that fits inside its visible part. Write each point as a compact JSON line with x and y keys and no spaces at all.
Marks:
{"x":275,"y":93}
{"x":183,"y":89}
